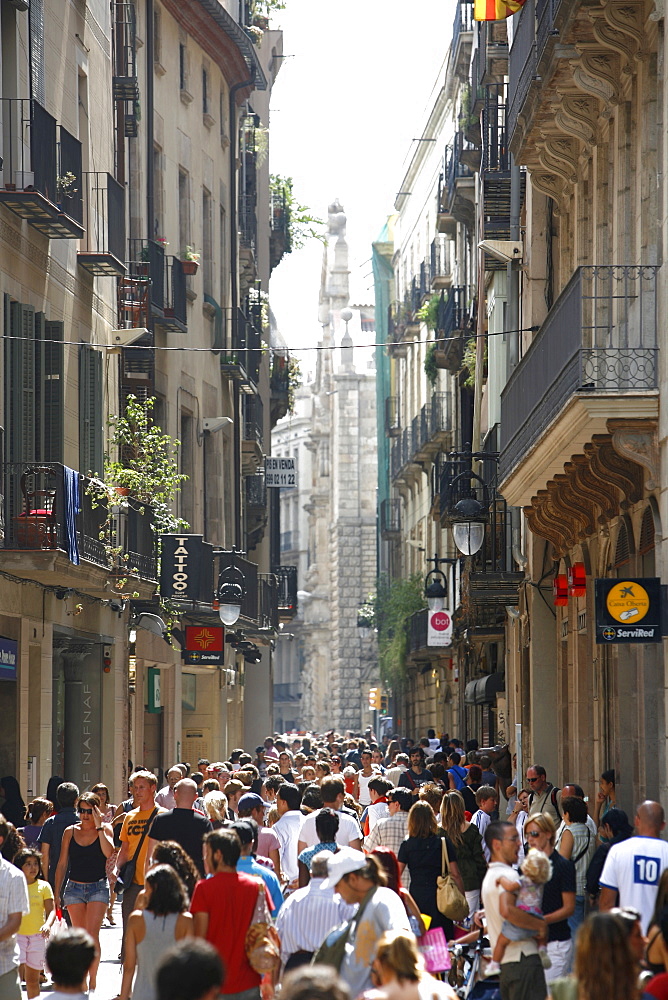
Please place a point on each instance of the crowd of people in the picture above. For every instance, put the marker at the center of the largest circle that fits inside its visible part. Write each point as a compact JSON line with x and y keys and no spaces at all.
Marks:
{"x":335,"y":867}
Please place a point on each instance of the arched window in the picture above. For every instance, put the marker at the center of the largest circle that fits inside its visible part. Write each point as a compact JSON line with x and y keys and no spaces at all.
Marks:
{"x":623,"y":550}
{"x":646,"y":544}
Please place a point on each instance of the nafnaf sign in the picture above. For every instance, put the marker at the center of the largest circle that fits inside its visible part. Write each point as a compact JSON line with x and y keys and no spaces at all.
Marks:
{"x":628,"y":611}
{"x":439,"y":628}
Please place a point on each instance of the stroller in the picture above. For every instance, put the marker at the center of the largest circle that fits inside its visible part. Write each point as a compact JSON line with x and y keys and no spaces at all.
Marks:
{"x":465,"y":974}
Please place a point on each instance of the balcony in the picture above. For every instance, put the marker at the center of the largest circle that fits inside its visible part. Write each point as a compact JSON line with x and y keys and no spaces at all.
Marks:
{"x":417,"y":633}
{"x":124,"y":52}
{"x":462,"y":40}
{"x":521,"y":65}
{"x":267,"y":612}
{"x":441,"y":263}
{"x":392,"y":417}
{"x":35,"y":531}
{"x":593,"y":360}
{"x":241,"y":360}
{"x":174,"y":316}
{"x":455,"y":322}
{"x":456,"y":197}
{"x":288,"y":541}
{"x":102,"y":249}
{"x":279,"y":386}
{"x":396,"y":325}
{"x":286,"y":579}
{"x":390,"y":519}
{"x":492,"y":53}
{"x":279,"y":235}
{"x":405,"y":464}
{"x":255,"y":508}
{"x":252,"y":434}
{"x":495,"y":170}
{"x":41,"y":177}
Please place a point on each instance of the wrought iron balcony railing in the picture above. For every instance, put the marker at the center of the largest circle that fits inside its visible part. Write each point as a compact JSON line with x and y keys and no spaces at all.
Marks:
{"x":390,"y":518}
{"x":102,"y":249}
{"x":392,"y":416}
{"x":253,"y":422}
{"x":124,"y":51}
{"x":441,"y":262}
{"x":40,"y":170}
{"x":521,"y":63}
{"x":599,"y":337}
{"x":286,"y":579}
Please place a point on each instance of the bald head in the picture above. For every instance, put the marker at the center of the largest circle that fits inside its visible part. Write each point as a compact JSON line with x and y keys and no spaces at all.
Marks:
{"x":649,"y":819}
{"x":185,"y":793}
{"x":319,"y":864}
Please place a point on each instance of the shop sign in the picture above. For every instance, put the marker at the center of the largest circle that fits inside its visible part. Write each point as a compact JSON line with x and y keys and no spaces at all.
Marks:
{"x":9,"y":649}
{"x":205,"y":646}
{"x":439,"y":628}
{"x":186,"y":572}
{"x":628,"y":611}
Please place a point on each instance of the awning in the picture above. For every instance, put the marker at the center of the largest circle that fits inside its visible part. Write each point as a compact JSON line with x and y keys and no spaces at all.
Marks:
{"x":484,"y":690}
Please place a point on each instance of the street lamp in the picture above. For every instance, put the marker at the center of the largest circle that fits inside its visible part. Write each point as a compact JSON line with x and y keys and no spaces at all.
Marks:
{"x":435,"y":589}
{"x":230,"y":592}
{"x":468,"y":519}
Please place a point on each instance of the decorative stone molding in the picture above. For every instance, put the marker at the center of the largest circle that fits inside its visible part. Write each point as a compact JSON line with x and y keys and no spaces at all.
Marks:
{"x":637,"y":441}
{"x":597,"y":73}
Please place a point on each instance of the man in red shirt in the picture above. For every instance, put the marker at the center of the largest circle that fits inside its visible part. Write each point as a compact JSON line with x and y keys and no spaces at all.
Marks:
{"x":222,"y":908}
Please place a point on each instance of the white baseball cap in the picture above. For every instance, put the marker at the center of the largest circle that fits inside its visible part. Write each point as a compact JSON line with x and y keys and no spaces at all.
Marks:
{"x":345,"y":861}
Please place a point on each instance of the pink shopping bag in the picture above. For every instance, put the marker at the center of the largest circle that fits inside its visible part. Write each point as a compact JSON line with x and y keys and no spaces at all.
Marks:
{"x":434,"y":950}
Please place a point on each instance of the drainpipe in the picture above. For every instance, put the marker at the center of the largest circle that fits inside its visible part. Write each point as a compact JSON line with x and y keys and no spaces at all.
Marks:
{"x":234,"y":266}
{"x":150,"y":187}
{"x":513,"y":298}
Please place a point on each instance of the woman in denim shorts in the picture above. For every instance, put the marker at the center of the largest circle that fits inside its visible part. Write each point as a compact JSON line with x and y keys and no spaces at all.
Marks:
{"x":85,"y":849}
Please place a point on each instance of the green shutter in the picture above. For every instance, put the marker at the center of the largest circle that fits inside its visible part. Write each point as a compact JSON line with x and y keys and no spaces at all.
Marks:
{"x":90,"y":410}
{"x":52,"y":391}
{"x":20,"y":380}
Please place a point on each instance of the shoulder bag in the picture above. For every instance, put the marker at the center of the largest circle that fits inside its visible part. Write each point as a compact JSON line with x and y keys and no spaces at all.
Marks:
{"x":332,"y":951}
{"x":127,"y":873}
{"x":263,"y":945}
{"x":450,"y":900}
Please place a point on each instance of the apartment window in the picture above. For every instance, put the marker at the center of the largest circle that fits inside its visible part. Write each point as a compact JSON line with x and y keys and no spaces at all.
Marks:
{"x":187,"y":493}
{"x":158,"y":193}
{"x":157,"y":41}
{"x":184,"y":210}
{"x":222,"y":256}
{"x":221,"y":115}
{"x":183,"y":75}
{"x":205,"y":91}
{"x":207,"y":242}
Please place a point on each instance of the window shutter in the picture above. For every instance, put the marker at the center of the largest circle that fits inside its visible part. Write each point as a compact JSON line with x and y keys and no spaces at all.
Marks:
{"x":20,"y":377}
{"x":646,"y":532}
{"x":52,"y":402}
{"x":623,"y":548}
{"x":90,"y":410}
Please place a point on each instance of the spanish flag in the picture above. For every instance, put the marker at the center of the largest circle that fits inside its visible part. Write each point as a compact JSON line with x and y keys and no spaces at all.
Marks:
{"x":495,"y":10}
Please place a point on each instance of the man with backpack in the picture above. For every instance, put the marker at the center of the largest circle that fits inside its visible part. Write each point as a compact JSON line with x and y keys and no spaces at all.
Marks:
{"x":543,"y":797}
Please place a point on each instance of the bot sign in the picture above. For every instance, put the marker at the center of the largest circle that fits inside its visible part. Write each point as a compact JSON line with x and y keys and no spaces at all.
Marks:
{"x":439,"y":628}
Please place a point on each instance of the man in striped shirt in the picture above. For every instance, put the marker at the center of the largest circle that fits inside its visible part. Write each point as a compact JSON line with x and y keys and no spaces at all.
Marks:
{"x":390,"y":832}
{"x":308,"y":915}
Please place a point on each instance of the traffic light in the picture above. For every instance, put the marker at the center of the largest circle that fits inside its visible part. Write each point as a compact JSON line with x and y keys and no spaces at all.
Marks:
{"x":374,"y":698}
{"x":383,"y":704}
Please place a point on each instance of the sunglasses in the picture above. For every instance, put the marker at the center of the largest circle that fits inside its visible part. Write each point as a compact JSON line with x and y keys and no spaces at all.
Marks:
{"x":85,"y":812}
{"x":533,"y":834}
{"x":531,"y":780}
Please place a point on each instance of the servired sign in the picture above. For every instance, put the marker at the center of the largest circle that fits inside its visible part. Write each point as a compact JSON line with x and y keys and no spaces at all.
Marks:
{"x":439,"y":628}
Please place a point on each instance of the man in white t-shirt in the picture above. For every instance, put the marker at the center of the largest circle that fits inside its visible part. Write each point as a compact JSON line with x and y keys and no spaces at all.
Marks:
{"x":521,"y":969}
{"x":487,"y":800}
{"x":634,"y":866}
{"x":348,"y":834}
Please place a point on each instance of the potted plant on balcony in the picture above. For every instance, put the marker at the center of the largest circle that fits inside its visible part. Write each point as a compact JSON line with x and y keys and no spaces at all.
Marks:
{"x":65,"y":187}
{"x":189,"y":260}
{"x":143,"y":475}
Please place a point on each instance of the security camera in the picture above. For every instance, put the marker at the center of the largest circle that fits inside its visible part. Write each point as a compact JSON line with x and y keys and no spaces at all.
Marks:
{"x":117,"y":605}
{"x":124,"y":338}
{"x":212,"y":424}
{"x":503,"y":250}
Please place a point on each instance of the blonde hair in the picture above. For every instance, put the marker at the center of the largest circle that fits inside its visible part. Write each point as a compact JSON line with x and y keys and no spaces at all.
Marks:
{"x":215,"y":804}
{"x":147,"y":776}
{"x":272,"y":816}
{"x":432,"y":794}
{"x":421,"y":820}
{"x":452,"y":816}
{"x":545,"y":824}
{"x":398,"y":953}
{"x":537,"y":867}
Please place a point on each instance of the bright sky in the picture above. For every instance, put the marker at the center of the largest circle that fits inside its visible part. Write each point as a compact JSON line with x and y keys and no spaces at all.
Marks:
{"x":348,"y":101}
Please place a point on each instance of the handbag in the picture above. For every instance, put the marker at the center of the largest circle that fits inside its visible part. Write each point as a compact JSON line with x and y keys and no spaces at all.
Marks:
{"x":434,"y":950}
{"x":263,"y":945}
{"x":126,"y":874}
{"x":450,"y":901}
{"x":332,"y":951}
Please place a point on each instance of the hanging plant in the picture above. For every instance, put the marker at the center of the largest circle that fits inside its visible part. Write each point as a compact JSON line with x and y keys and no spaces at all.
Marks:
{"x":430,"y":367}
{"x":394,"y":603}
{"x":428,"y":313}
{"x":294,"y":381}
{"x":469,"y":363}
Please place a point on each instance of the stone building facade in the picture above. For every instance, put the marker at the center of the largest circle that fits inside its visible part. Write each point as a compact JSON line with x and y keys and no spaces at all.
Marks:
{"x":339,"y":665}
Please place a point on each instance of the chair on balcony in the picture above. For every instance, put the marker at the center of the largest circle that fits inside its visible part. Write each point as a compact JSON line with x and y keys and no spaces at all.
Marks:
{"x":36,"y":526}
{"x":133,"y":303}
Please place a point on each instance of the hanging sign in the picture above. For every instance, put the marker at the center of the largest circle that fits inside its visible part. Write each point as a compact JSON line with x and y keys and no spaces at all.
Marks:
{"x":280,"y":471}
{"x":439,"y":628}
{"x":154,"y":702}
{"x":186,"y":568}
{"x":205,"y":646}
{"x":8,"y":658}
{"x":628,"y":611}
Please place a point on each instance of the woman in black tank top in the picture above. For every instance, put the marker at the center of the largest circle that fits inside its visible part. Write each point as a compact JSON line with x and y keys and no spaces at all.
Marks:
{"x":83,"y":853}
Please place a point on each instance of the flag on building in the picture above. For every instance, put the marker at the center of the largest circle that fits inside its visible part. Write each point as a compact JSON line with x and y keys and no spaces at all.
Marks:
{"x":495,"y":10}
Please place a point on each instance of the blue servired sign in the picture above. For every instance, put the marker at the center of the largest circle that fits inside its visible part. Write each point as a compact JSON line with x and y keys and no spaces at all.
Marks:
{"x":9,"y":649}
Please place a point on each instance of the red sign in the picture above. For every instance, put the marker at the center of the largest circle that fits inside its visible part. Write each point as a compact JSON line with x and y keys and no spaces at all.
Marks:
{"x":205,"y":638}
{"x":440,"y":620}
